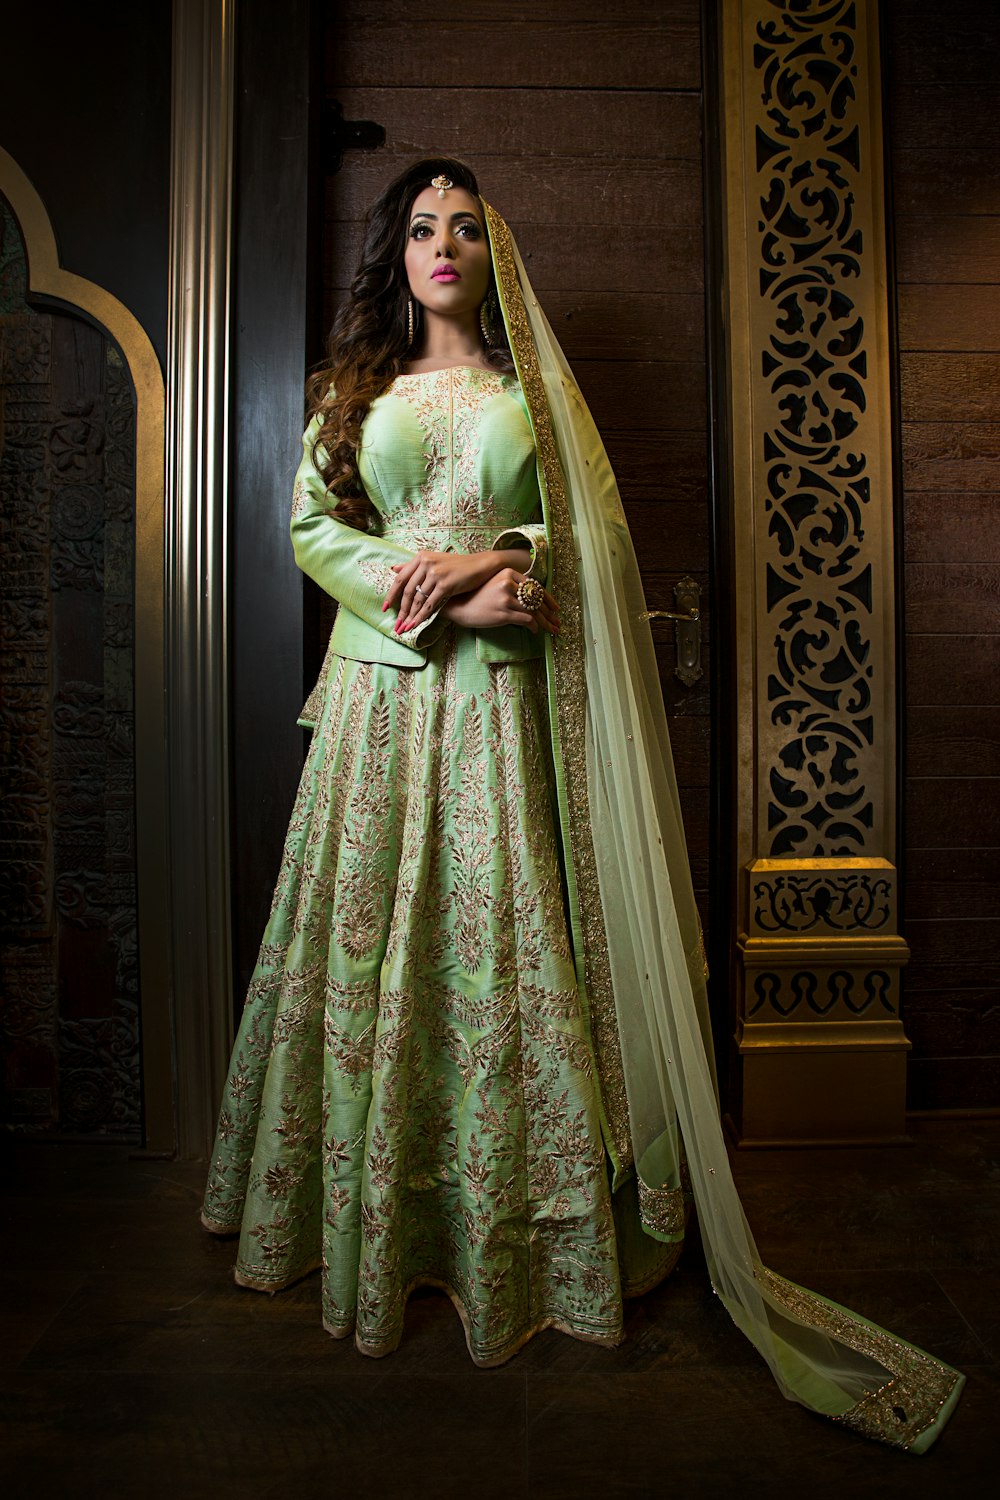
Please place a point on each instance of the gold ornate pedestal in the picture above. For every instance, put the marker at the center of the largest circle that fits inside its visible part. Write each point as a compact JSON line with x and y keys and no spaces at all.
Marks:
{"x":808,"y":473}
{"x":819,"y":1032}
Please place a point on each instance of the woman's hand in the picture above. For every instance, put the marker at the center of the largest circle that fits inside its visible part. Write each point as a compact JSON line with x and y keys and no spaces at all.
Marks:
{"x":424,"y":584}
{"x":495,"y":603}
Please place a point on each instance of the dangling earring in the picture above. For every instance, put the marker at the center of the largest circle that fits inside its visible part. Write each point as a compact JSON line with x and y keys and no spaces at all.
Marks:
{"x":410,"y":319}
{"x":486,"y":322}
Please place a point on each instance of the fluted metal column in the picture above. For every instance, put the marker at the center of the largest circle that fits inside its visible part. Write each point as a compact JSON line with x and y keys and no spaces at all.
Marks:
{"x":197,"y":573}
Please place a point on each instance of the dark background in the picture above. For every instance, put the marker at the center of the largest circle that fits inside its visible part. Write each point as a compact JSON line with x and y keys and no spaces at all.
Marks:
{"x":586,"y":128}
{"x":85,"y":113}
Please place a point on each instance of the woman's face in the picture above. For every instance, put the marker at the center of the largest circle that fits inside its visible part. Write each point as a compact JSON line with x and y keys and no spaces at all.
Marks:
{"x":447,"y":254}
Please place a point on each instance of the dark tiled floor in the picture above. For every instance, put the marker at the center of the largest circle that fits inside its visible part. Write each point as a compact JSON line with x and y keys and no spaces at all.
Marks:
{"x":131,"y":1365}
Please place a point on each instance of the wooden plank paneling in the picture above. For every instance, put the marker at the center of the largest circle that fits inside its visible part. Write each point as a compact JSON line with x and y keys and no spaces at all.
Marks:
{"x":977,"y":867}
{"x":952,"y":884}
{"x":933,"y":115}
{"x":952,"y":669}
{"x":949,"y":248}
{"x":950,"y":387}
{"x":686,"y":522}
{"x":975,"y":942}
{"x":960,"y":598}
{"x":531,"y":122}
{"x":628,"y":325}
{"x":931,"y":45}
{"x":949,"y":317}
{"x":555,"y":52}
{"x":951,"y":455}
{"x":960,"y":527}
{"x":924,"y":975}
{"x":689,"y":741}
{"x":953,"y":812}
{"x":674,"y":463}
{"x":638,"y":395}
{"x":946,"y":191}
{"x":954,"y":1023}
{"x":972,"y":176}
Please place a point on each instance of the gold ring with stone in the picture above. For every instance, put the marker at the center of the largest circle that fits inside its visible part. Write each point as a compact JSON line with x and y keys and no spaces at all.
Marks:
{"x":530,"y":595}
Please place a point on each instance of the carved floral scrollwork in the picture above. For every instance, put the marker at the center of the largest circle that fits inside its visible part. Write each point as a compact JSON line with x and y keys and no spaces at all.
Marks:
{"x":839,"y":903}
{"x":25,"y":349}
{"x":76,"y":441}
{"x":821,"y":992}
{"x":813,"y":347}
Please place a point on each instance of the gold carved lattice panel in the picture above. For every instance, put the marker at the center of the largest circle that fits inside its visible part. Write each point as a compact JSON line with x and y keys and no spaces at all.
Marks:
{"x":822,"y":535}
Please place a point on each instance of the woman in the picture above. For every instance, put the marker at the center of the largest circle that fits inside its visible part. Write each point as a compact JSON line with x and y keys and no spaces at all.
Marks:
{"x":477,"y":1036}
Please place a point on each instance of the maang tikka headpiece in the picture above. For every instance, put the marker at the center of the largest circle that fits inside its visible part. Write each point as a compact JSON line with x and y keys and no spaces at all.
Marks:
{"x":442,"y":184}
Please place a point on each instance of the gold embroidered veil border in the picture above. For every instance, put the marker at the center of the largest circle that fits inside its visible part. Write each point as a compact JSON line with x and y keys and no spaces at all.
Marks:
{"x":635,"y":922}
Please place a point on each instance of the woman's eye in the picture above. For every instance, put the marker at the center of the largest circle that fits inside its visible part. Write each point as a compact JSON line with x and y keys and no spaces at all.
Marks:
{"x":419,"y":231}
{"x":469,"y":231}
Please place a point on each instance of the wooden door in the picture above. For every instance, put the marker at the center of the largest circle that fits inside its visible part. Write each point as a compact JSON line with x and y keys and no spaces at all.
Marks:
{"x":583,"y":125}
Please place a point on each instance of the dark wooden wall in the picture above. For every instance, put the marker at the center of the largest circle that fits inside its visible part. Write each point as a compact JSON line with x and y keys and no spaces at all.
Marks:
{"x":583,"y":124}
{"x":85,"y":112}
{"x":944,"y":122}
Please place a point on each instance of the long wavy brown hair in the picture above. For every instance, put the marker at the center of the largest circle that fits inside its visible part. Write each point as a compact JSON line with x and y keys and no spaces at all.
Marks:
{"x":368,"y":345}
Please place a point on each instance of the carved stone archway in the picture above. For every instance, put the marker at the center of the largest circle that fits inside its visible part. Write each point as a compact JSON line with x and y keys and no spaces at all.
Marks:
{"x":49,"y":283}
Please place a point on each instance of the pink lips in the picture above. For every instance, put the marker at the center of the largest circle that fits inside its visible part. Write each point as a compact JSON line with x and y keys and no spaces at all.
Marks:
{"x":445,"y":273}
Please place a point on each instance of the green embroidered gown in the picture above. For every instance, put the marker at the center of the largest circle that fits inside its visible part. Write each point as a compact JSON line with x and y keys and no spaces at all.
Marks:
{"x":412,"y":1097}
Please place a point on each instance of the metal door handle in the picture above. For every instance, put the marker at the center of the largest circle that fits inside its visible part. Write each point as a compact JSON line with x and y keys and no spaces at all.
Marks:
{"x":687,"y":629}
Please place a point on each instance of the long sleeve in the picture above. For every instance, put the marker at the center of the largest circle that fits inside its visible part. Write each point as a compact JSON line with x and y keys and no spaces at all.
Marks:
{"x":354,"y":567}
{"x":532,"y":535}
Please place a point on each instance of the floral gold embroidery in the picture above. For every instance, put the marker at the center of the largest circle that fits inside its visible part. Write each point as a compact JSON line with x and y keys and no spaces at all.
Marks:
{"x":413,"y":1097}
{"x":912,"y":1398}
{"x":570,"y":731}
{"x":662,"y":1209}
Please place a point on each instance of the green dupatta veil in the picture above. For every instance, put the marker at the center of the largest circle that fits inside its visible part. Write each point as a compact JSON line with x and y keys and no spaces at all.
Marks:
{"x":635,"y":928}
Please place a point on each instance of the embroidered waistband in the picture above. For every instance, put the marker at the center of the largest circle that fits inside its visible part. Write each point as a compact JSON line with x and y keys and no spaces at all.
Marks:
{"x":438,"y":538}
